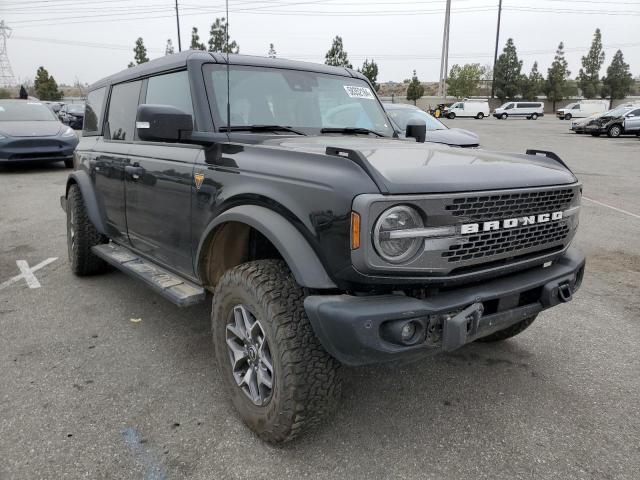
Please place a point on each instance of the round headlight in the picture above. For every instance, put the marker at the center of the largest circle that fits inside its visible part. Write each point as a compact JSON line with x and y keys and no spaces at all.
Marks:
{"x":397,"y":248}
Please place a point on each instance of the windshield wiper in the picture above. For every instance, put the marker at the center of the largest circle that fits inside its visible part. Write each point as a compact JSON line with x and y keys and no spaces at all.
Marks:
{"x":261,"y":128}
{"x":350,"y":130}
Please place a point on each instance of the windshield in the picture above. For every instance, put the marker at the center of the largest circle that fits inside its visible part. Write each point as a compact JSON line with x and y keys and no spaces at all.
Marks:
{"x":402,"y":115}
{"x":76,"y":108}
{"x":570,"y":106}
{"x":23,"y":111}
{"x":306,"y":101}
{"x":617,"y":112}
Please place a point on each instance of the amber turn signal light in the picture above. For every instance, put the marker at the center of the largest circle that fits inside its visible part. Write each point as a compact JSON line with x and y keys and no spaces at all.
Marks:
{"x":355,"y":231}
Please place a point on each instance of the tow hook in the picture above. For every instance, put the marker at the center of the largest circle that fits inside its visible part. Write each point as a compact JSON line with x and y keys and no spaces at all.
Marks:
{"x":458,"y":329}
{"x":564,"y":292}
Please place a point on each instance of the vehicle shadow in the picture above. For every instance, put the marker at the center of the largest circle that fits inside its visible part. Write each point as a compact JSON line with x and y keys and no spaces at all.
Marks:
{"x":30,"y":167}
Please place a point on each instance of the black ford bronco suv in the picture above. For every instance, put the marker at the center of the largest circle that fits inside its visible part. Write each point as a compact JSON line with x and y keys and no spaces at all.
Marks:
{"x":282,"y":189}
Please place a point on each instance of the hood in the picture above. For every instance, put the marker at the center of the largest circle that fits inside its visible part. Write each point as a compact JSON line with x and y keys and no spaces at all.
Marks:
{"x":31,"y":129}
{"x":454,"y":136}
{"x":409,"y":167}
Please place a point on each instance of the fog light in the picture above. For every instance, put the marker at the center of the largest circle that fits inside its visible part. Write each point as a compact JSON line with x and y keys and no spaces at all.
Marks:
{"x":408,"y":331}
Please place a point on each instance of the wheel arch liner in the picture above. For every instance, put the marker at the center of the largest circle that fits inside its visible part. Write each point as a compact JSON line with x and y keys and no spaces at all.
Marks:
{"x":290,"y":243}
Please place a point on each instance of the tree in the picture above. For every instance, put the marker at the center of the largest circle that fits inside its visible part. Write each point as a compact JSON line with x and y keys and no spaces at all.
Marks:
{"x":533,"y":85}
{"x":195,"y":41}
{"x":618,"y":82}
{"x":45,"y":86}
{"x":507,"y":75}
{"x":139,"y":53}
{"x":5,"y":93}
{"x":370,"y":70}
{"x":272,"y":51}
{"x":557,"y":76}
{"x":463,"y":81}
{"x":336,"y":55}
{"x":218,"y":38}
{"x":589,"y":75}
{"x":168,"y":50}
{"x":415,"y":90}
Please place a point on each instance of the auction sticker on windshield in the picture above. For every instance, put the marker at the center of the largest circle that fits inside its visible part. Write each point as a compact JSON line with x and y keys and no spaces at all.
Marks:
{"x":359,"y":92}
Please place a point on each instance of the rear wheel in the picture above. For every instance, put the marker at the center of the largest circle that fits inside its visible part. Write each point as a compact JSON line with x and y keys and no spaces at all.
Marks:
{"x":280,"y":379}
{"x":480,"y":116}
{"x":534,"y":116}
{"x":509,"y":332}
{"x":614,"y":131}
{"x":81,"y":236}
{"x":504,"y":116}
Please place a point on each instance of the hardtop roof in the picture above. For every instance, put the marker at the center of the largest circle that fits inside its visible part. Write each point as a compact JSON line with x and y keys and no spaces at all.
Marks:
{"x":179,"y":60}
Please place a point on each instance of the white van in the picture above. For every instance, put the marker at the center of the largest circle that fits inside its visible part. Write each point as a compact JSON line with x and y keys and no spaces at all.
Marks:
{"x":582,"y":109}
{"x":468,"y":108}
{"x":530,"y":110}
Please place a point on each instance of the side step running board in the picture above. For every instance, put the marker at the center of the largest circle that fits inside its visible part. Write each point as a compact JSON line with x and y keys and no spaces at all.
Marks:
{"x":174,"y":288}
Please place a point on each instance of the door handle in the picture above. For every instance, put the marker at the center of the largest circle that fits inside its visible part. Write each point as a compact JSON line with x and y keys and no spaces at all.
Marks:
{"x":134,"y":172}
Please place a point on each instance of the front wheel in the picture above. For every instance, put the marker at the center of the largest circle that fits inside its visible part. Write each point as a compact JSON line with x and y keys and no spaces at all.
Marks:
{"x":509,"y":332}
{"x":480,"y":116}
{"x":614,"y":131}
{"x":567,"y":116}
{"x":280,"y":379}
{"x":451,"y":116}
{"x":504,"y":116}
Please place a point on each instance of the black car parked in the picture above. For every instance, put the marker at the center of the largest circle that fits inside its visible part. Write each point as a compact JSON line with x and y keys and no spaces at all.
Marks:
{"x":437,"y":132}
{"x":72,"y":114}
{"x":30,"y":131}
{"x":284,"y":191}
{"x":623,"y":120}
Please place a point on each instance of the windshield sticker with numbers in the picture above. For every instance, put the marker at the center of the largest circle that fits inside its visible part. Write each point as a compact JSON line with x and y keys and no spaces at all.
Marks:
{"x":359,"y":92}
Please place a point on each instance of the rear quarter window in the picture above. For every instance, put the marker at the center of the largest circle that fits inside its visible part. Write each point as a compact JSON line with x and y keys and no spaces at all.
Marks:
{"x":93,"y":112}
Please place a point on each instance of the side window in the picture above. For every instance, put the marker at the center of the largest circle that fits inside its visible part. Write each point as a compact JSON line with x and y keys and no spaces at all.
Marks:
{"x":576,"y":107}
{"x":170,"y":89}
{"x":634,"y":113}
{"x":93,"y":110}
{"x":122,"y":110}
{"x":509,"y":107}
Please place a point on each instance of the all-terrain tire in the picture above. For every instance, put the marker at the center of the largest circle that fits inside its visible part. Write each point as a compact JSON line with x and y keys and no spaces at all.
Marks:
{"x":509,"y":332}
{"x":306,"y":379}
{"x":81,"y":236}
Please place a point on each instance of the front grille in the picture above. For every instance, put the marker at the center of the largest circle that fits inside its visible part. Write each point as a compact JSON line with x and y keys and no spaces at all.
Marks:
{"x":507,"y":241}
{"x":491,"y":207}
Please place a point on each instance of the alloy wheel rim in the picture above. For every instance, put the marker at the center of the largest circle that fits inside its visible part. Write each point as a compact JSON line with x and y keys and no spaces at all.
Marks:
{"x":249,"y":355}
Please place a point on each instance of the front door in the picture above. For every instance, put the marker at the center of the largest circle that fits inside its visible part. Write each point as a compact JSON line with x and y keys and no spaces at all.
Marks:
{"x":632,"y":121}
{"x":158,"y":184}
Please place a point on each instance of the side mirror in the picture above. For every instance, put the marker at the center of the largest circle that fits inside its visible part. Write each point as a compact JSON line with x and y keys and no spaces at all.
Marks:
{"x":417,"y":129}
{"x":163,"y":123}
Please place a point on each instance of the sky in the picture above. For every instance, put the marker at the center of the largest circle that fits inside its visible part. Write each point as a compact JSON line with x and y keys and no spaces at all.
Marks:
{"x":86,"y":40}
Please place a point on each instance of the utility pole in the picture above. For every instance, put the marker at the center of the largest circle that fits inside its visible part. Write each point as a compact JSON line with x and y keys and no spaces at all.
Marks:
{"x":495,"y":53}
{"x":444,"y":59}
{"x":178,"y":23}
{"x":6,"y":73}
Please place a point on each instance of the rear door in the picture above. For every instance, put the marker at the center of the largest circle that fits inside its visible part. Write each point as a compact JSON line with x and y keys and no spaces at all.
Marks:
{"x":111,"y":156}
{"x":158,"y":183}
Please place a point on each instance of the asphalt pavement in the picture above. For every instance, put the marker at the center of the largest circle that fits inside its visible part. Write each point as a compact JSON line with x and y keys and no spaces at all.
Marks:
{"x":100,"y":378}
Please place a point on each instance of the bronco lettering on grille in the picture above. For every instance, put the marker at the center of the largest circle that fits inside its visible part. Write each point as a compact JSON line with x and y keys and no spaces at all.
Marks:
{"x":469,"y":228}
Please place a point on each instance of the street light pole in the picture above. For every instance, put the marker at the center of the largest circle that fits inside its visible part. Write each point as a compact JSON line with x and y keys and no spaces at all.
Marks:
{"x":444,"y":59}
{"x":495,"y":53}
{"x":178,"y":23}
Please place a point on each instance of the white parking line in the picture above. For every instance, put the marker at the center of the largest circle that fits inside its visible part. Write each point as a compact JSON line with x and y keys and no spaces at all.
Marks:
{"x":27,"y":273}
{"x":612,"y":208}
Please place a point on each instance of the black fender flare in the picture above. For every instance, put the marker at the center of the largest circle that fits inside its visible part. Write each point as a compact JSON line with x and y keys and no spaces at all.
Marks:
{"x":81,"y":178}
{"x":294,"y":248}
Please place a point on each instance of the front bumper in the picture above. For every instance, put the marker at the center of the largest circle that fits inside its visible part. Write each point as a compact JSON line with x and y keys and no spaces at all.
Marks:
{"x":359,"y":330}
{"x":37,"y":149}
